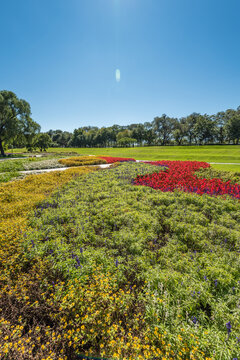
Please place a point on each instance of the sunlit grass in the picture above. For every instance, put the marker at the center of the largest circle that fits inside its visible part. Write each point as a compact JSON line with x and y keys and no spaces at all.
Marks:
{"x":214,"y":153}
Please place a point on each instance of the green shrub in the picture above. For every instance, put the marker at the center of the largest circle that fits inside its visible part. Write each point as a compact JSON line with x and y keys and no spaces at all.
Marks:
{"x":211,"y":173}
{"x":146,"y":273}
{"x":82,"y":160}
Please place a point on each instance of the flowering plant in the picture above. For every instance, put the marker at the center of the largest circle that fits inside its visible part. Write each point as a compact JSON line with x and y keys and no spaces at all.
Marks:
{"x":111,"y":160}
{"x":180,"y":175}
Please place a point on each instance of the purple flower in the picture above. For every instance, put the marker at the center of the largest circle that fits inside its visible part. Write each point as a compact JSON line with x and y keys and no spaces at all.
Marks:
{"x":229,"y":327}
{"x":194,"y":319}
{"x":216,"y":282}
{"x":81,"y":250}
{"x":116,"y":263}
{"x":78,"y":261}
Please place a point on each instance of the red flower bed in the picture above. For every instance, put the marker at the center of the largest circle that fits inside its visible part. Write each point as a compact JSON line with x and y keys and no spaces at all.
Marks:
{"x":180,"y":175}
{"x":111,"y":160}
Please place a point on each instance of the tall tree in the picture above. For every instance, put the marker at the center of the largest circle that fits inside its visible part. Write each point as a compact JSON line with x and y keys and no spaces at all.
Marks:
{"x":233,"y":127}
{"x":42,"y":141}
{"x":163,"y":127}
{"x":190,"y":122}
{"x":149,"y":136}
{"x":220,"y":119}
{"x":138,"y":133}
{"x":204,"y":129}
{"x":15,"y":119}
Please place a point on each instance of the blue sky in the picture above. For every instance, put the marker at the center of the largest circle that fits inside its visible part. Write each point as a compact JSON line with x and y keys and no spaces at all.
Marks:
{"x":173,"y":56}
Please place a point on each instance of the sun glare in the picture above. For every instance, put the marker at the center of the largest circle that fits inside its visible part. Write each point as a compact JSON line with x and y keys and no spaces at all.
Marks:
{"x":118,"y":75}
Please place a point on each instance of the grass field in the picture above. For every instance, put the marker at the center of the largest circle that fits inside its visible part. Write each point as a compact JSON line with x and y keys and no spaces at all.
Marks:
{"x":215,"y":153}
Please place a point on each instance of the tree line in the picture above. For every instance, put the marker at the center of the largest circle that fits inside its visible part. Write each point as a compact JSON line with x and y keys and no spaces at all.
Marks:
{"x":194,"y":129}
{"x":18,"y":129}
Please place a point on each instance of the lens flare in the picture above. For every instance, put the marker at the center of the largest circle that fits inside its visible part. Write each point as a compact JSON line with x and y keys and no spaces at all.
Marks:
{"x":118,"y":75}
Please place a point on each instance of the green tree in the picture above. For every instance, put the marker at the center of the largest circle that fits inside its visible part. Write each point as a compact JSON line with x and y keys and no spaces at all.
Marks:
{"x":124,"y":134}
{"x":126,"y":141}
{"x":149,"y":136}
{"x":204,"y":129}
{"x":163,"y":127}
{"x":233,"y":128}
{"x":179,"y":132}
{"x":220,"y":119}
{"x":15,"y":119}
{"x":191,"y":120}
{"x":139,"y":133}
{"x":42,"y":141}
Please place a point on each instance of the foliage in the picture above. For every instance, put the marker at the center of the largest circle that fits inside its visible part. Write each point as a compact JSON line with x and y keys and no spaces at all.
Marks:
{"x":25,"y":311}
{"x":180,"y":175}
{"x":111,"y":159}
{"x":7,"y":176}
{"x":11,"y":165}
{"x":220,"y":128}
{"x":41,"y":164}
{"x":126,"y":141}
{"x":41,"y":141}
{"x":138,"y":273}
{"x":15,"y":119}
{"x":82,"y":160}
{"x":211,"y":173}
{"x":163,"y":127}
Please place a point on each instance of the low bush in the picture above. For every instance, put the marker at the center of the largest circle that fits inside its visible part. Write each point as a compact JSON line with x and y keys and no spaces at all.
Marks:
{"x":211,"y":173}
{"x":43,"y":164}
{"x":82,"y":160}
{"x":7,"y":176}
{"x":135,"y":273}
{"x":180,"y":175}
{"x":24,"y":311}
{"x":11,"y":165}
{"x":111,"y":160}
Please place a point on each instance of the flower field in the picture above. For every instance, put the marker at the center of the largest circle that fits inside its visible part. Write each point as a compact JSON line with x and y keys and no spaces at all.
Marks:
{"x":106,"y":269}
{"x":180,"y":175}
{"x":112,"y":160}
{"x":92,"y":160}
{"x":82,"y":161}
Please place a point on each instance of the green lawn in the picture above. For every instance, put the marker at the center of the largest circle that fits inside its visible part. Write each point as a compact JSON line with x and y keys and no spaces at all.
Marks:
{"x":233,"y":168}
{"x":215,"y":153}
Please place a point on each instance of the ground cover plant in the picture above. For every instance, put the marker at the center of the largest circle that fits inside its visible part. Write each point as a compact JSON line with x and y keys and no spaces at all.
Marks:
{"x":42,"y":164}
{"x":211,"y":173}
{"x":82,"y":161}
{"x":19,"y":277}
{"x":92,"y":160}
{"x":112,"y":160}
{"x":180,"y":175}
{"x":133,"y":273}
{"x":10,"y":168}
